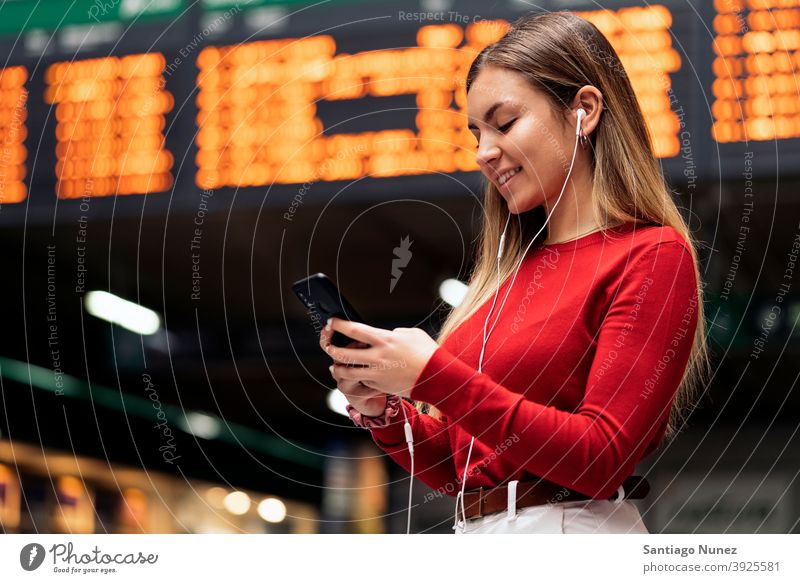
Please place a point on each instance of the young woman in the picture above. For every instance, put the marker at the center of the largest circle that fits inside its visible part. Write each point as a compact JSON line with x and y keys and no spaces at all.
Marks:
{"x":581,"y":338}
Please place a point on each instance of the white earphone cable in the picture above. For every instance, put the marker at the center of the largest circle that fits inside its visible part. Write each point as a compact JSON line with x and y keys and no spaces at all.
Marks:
{"x":407,"y":426}
{"x":410,"y":441}
{"x":522,"y":258}
{"x":460,"y":497}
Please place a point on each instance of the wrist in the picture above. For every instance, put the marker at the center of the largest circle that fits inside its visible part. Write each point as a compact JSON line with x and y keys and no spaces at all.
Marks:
{"x":389,"y":412}
{"x":373,"y":408}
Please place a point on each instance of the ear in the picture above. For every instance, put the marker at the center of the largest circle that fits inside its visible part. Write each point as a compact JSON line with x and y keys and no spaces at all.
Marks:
{"x":590,"y":100}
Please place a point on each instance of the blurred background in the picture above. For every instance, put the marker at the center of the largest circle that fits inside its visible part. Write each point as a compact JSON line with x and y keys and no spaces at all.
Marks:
{"x":169,"y":167}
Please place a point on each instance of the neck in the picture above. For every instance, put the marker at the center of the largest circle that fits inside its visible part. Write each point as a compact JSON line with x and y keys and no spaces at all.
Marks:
{"x":574,"y":215}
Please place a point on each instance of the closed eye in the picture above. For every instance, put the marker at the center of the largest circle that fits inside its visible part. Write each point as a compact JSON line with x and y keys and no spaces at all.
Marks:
{"x":507,"y":127}
{"x":502,"y":129}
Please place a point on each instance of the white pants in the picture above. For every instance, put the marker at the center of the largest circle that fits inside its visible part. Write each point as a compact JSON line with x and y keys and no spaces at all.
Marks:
{"x":588,"y":516}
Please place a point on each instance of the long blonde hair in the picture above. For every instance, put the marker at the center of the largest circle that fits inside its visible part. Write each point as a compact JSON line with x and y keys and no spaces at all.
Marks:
{"x":560,"y":52}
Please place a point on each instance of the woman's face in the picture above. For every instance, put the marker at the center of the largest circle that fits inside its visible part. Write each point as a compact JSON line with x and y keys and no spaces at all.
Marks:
{"x":522,"y":134}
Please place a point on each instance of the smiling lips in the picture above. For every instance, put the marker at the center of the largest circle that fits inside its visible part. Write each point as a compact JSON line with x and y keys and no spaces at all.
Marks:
{"x":506,"y":176}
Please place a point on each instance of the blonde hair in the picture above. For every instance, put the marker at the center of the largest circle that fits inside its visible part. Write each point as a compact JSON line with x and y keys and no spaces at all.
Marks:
{"x":560,"y":52}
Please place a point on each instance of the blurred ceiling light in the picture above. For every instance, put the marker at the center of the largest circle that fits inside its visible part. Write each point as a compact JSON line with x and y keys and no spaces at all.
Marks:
{"x":272,"y":510}
{"x":337,"y":402}
{"x":216,"y":496}
{"x":237,"y":503}
{"x":201,"y":425}
{"x":118,"y":311}
{"x":452,"y":291}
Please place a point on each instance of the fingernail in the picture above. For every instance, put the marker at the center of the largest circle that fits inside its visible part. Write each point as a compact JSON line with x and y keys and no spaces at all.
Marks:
{"x":330,"y":368}
{"x":328,"y":325}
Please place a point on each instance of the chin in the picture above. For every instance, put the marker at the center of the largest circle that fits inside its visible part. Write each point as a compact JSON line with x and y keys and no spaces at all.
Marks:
{"x":518,"y":208}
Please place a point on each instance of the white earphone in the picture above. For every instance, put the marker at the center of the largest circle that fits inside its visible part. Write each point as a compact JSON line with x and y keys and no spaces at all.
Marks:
{"x":581,"y":113}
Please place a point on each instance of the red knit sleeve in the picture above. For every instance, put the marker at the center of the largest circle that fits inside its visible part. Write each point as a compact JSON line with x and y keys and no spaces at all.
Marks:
{"x":433,"y":456}
{"x":642,"y":350}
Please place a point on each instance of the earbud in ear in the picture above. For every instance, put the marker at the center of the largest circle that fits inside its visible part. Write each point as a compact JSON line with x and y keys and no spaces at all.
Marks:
{"x":581,"y":114}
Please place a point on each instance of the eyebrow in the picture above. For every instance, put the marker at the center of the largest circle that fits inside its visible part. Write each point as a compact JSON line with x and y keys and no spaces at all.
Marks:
{"x":489,"y":113}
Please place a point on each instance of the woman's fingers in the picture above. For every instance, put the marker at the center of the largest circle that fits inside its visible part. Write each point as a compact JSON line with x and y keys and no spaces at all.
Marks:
{"x":351,"y":356}
{"x":366,"y":400}
{"x":325,"y":343}
{"x":361,"y":396}
{"x":350,"y":382}
{"x":325,"y":338}
{"x":357,"y":390}
{"x":343,"y":372}
{"x":355,"y":384}
{"x":357,"y":331}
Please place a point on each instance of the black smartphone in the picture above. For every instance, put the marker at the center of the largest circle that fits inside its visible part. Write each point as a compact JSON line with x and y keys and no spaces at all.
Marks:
{"x":323,"y":300}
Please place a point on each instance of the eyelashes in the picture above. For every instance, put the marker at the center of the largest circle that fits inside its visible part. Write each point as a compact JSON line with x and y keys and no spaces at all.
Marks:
{"x":502,"y":129}
{"x":507,"y":127}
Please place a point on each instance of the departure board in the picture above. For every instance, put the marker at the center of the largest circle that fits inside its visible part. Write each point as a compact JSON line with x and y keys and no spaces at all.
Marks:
{"x":358,"y":95}
{"x":110,"y":114}
{"x":257,"y":101}
{"x":13,"y":131}
{"x":756,"y":90}
{"x":641,"y":38}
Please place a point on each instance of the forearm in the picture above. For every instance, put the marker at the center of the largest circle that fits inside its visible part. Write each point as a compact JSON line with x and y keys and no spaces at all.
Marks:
{"x":542,"y":440}
{"x":433,"y":456}
{"x":594,"y":445}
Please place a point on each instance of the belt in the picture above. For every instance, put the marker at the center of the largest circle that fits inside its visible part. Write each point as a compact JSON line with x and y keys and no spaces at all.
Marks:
{"x":484,"y":501}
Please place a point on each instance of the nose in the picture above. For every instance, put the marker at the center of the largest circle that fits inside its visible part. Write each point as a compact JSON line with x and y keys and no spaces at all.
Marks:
{"x":488,"y":152}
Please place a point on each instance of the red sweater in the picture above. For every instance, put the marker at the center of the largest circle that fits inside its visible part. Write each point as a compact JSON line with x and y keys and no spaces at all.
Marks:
{"x":579,"y":374}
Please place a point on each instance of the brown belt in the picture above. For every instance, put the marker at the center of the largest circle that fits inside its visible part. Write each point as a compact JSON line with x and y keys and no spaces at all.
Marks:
{"x":482,"y":501}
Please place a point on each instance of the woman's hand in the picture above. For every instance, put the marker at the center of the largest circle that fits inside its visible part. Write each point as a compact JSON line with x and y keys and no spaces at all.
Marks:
{"x":391,"y":364}
{"x":367,"y":401}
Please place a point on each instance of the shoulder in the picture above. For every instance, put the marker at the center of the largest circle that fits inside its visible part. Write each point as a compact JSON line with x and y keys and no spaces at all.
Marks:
{"x":638,"y":251}
{"x":633,"y":242}
{"x":654,"y":235}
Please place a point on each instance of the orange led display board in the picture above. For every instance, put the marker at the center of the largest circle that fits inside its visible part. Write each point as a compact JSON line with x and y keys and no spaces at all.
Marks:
{"x":13,"y":113}
{"x":257,"y":102}
{"x":257,"y":108}
{"x":373,"y":100}
{"x":110,"y":125}
{"x":641,"y":37}
{"x":755,"y":88}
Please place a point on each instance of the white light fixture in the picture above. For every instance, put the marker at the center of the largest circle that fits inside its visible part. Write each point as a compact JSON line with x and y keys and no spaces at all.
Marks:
{"x":337,"y":402}
{"x":237,"y":503}
{"x":127,"y":314}
{"x":452,"y":291}
{"x":201,"y":425}
{"x":272,"y":510}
